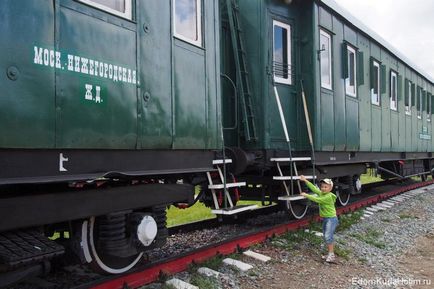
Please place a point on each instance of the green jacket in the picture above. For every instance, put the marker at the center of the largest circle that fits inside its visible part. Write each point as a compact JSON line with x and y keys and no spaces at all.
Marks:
{"x":326,"y":201}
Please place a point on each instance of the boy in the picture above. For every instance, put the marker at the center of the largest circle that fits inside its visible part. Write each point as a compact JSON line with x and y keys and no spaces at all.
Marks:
{"x":326,"y":201}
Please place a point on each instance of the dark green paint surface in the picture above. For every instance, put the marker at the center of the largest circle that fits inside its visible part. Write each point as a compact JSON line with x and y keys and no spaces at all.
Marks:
{"x":340,"y":122}
{"x":174,"y":104}
{"x":27,"y":117}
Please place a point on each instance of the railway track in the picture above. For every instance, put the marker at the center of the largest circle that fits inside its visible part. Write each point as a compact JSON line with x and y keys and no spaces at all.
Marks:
{"x":169,"y":265}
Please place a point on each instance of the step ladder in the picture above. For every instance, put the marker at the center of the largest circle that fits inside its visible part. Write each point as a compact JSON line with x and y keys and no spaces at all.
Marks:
{"x":230,"y":209}
{"x":243,"y":83}
{"x":290,"y":196}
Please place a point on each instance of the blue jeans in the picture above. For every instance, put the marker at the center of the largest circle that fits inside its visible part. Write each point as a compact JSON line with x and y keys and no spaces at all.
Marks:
{"x":328,"y":228}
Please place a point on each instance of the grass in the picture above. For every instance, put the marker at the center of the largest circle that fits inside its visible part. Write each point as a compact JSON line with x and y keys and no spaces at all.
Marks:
{"x":214,"y":263}
{"x":203,"y":282}
{"x":347,"y":220}
{"x":293,"y":240}
{"x":371,"y":237}
{"x":406,"y":216}
{"x":196,"y":212}
{"x":343,"y":252}
{"x":370,"y":177}
{"x":57,"y":235}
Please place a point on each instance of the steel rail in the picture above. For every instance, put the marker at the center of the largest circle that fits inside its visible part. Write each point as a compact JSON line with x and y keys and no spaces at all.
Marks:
{"x":180,"y":263}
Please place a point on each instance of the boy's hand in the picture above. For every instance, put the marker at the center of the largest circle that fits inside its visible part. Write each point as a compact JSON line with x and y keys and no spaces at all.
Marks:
{"x":303,"y":194}
{"x":302,"y":178}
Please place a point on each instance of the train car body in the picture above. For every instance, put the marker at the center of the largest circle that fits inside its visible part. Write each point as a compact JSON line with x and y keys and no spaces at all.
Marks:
{"x":105,"y":106}
{"x":91,"y":85}
{"x":367,"y":103}
{"x":112,"y":110}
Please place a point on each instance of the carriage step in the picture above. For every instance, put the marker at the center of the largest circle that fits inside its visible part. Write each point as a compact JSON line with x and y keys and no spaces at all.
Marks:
{"x":22,"y":247}
{"x":228,"y":185}
{"x":220,"y":162}
{"x":289,"y":178}
{"x":291,"y":198}
{"x":234,"y":210}
{"x":301,"y":159}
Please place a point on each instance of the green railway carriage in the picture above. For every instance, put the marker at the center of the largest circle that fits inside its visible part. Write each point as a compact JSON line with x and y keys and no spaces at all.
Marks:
{"x":327,"y":49}
{"x":104,"y":106}
{"x":367,"y":103}
{"x":112,"y":110}
{"x":315,"y":86}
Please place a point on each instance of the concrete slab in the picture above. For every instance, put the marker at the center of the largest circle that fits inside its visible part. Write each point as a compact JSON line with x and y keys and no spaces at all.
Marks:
{"x":257,"y":256}
{"x":207,"y":272}
{"x":384,"y":206}
{"x":378,"y":207}
{"x":371,"y":209}
{"x":237,"y":264}
{"x":179,"y":284}
{"x":388,"y":203}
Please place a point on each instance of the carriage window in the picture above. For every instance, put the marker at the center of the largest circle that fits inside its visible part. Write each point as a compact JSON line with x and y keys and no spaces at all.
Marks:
{"x":326,"y":56}
{"x":375,"y":82}
{"x":428,"y":106}
{"x":117,"y":7}
{"x":350,"y":81}
{"x":282,"y":52}
{"x":393,"y":90}
{"x":408,"y":97}
{"x":188,"y":21}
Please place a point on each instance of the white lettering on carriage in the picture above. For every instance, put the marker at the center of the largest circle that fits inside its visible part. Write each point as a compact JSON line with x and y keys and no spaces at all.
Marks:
{"x":62,"y":159}
{"x":84,"y":65}
{"x":89,"y":93}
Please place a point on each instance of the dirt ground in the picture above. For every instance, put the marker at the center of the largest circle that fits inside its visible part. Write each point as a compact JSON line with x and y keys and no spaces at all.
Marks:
{"x":306,"y":269}
{"x":419,"y":262}
{"x":303,"y":270}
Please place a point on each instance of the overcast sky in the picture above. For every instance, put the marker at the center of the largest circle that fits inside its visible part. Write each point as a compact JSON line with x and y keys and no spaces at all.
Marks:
{"x":406,"y":24}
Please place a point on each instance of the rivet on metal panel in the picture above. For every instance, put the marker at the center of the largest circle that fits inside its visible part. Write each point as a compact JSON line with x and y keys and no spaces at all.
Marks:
{"x":146,"y":96}
{"x":146,"y":27}
{"x":12,"y":72}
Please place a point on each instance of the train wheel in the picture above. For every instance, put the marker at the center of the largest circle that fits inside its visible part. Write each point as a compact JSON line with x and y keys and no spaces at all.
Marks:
{"x":298,"y":209}
{"x":357,"y":183}
{"x":98,"y":255}
{"x":343,"y":197}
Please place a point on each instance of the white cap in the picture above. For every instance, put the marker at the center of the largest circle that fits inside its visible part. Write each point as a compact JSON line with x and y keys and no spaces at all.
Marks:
{"x":327,"y":181}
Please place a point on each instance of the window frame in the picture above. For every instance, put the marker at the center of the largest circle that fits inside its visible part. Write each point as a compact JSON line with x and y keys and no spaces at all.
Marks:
{"x":409,"y":94}
{"x":353,"y":50}
{"x":199,"y":17}
{"x":328,"y":35}
{"x":428,"y":106}
{"x":393,"y":103}
{"x":419,"y":97}
{"x":377,"y":64}
{"x":277,"y":79}
{"x":128,"y":14}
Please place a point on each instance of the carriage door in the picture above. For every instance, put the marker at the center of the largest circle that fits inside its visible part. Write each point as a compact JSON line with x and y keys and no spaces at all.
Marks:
{"x":96,"y":81}
{"x":191,"y":69}
{"x":282,"y":59}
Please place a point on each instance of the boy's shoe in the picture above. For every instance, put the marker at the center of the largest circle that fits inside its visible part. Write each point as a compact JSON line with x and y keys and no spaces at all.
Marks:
{"x":330,"y":258}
